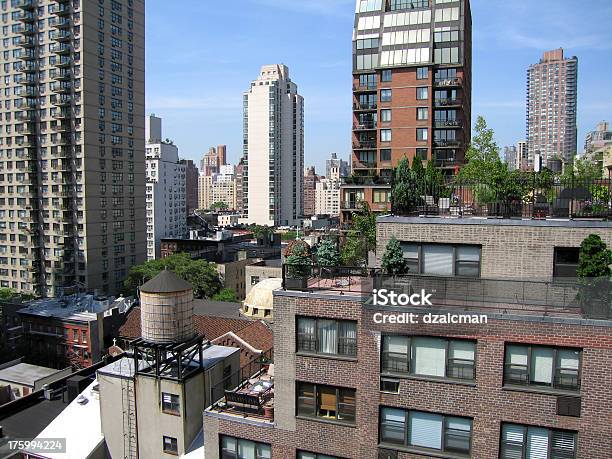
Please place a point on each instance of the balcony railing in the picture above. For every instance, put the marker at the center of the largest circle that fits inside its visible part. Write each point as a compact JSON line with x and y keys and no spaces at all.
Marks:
{"x":364,"y":144}
{"x":445,"y":82}
{"x":365,"y":126}
{"x":447,"y":102}
{"x":528,"y":197}
{"x":447,"y":123}
{"x":364,"y":164}
{"x":365,"y":87}
{"x":367,"y":180}
{"x":454,"y":143}
{"x":370,"y":106}
{"x":589,"y":298}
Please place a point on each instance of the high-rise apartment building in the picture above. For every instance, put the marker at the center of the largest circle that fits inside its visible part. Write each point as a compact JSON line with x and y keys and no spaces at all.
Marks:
{"x":337,"y":163}
{"x":551,"y":107}
{"x":192,"y":175}
{"x":273,"y":174}
{"x":218,"y":188}
{"x":510,"y":157}
{"x":411,"y":91}
{"x":165,"y":199}
{"x":213,"y":160}
{"x":522,"y":156}
{"x":327,"y":194}
{"x":310,"y":185}
{"x":240,"y":187}
{"x":599,"y":138}
{"x":71,"y":144}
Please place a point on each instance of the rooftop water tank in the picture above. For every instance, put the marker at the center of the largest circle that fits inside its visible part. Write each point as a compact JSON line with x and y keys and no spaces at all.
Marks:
{"x":166,"y":309}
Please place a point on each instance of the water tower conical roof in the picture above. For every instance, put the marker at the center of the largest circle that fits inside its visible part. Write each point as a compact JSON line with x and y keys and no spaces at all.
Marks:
{"x":166,"y":282}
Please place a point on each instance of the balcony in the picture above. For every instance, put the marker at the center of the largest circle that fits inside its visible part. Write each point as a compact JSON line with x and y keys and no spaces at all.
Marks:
{"x":247,"y":394}
{"x":63,"y":75}
{"x":62,"y":23}
{"x":369,"y":126}
{"x":367,"y":180}
{"x":63,"y":36}
{"x":62,"y":49}
{"x":448,"y":82}
{"x":61,"y":127}
{"x":61,"y":115}
{"x":448,"y":102}
{"x":445,"y":124}
{"x":28,"y":56}
{"x":63,"y":63}
{"x":26,"y":115}
{"x":27,"y":17}
{"x":364,"y":144}
{"x":26,"y":42}
{"x":28,"y":68}
{"x":364,"y":164}
{"x":61,"y":9}
{"x":62,"y":101}
{"x":439,"y":143}
{"x":365,"y":88}
{"x":28,"y":81}
{"x":26,"y":30}
{"x":27,"y":5}
{"x":365,"y":107}
{"x":63,"y":88}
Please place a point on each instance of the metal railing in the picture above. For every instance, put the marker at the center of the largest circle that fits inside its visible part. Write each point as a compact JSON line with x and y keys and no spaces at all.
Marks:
{"x":531,"y":197}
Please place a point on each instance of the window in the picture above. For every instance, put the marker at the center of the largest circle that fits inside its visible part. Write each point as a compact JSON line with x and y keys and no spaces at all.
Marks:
{"x":421,"y":93}
{"x":446,"y":55}
{"x":170,"y":403}
{"x":530,"y":442}
{"x":385,"y":135}
{"x":368,"y":43}
{"x":326,"y":402}
{"x":421,"y":153}
{"x":237,"y":448}
{"x":418,"y":429}
{"x":385,"y":116}
{"x":254,"y":280}
{"x":386,"y":76}
{"x":422,"y":73}
{"x":565,"y":261}
{"x":385,"y":154}
{"x":170,"y":445}
{"x":443,"y":259}
{"x":307,"y":455}
{"x":327,"y":336}
{"x":407,"y":4}
{"x":380,"y":196}
{"x":424,"y":356}
{"x":540,"y":366}
{"x":385,"y":95}
{"x":422,"y":134}
{"x":422,"y":113}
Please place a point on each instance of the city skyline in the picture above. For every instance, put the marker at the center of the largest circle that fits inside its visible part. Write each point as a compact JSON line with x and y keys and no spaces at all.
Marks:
{"x":198,"y":89}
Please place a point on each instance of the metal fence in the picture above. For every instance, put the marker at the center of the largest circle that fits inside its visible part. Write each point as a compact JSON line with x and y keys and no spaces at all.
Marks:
{"x":528,"y":197}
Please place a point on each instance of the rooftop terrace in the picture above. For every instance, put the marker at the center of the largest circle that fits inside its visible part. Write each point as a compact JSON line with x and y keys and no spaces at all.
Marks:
{"x":571,"y":297}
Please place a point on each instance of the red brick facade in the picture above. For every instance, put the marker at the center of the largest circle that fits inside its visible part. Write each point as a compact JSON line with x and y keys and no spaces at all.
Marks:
{"x":485,"y":400}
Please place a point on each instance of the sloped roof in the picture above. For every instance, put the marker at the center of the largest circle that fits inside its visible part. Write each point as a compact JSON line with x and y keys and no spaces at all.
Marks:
{"x":166,"y":282}
{"x":211,"y":327}
{"x":258,"y":335}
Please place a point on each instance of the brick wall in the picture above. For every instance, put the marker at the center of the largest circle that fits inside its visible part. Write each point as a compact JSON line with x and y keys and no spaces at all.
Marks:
{"x":522,"y":250}
{"x":485,"y":401}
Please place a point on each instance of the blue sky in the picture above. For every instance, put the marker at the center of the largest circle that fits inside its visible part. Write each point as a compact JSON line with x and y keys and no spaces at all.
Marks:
{"x":202,"y":55}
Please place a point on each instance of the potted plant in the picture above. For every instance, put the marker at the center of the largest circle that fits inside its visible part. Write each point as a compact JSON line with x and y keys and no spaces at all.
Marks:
{"x":268,"y":408}
{"x":298,"y":265}
{"x":328,"y":257}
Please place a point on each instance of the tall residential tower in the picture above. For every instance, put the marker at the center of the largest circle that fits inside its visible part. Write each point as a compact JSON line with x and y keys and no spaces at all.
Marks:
{"x":551,"y":107}
{"x":166,"y":196}
{"x":273,"y":173}
{"x":72,"y":157}
{"x":411,"y":91}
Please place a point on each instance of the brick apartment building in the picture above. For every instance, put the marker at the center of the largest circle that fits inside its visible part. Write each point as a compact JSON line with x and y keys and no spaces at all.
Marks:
{"x":531,"y":382}
{"x":411,"y":92}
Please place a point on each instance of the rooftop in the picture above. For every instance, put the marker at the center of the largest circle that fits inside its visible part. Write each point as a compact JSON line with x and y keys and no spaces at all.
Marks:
{"x":494,"y":221}
{"x":166,"y":282}
{"x":25,"y":374}
{"x":224,"y":309}
{"x":80,"y":424}
{"x":568,"y":298}
{"x":74,"y":307}
{"x":210,"y":326}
